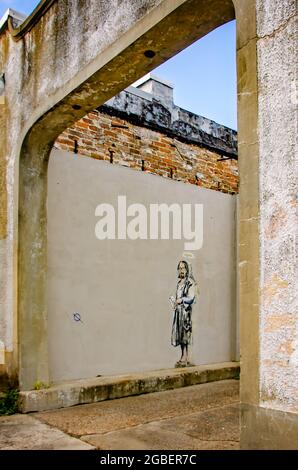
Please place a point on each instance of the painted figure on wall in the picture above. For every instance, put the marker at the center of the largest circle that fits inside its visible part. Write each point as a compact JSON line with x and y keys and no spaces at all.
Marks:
{"x":182,"y":305}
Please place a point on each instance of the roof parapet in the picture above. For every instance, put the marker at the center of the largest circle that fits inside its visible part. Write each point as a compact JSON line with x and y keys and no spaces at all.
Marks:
{"x":17,"y":18}
{"x":25,"y":24}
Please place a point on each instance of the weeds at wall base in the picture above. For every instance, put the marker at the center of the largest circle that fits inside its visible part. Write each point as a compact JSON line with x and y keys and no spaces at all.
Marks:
{"x":9,"y":402}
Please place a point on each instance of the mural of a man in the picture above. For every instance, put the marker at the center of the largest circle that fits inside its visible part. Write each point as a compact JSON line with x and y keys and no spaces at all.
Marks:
{"x":182,"y":305}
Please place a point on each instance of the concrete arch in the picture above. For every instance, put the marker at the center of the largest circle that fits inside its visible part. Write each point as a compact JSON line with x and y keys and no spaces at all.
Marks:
{"x":68,"y":59}
{"x":64,"y":73}
{"x":125,"y":61}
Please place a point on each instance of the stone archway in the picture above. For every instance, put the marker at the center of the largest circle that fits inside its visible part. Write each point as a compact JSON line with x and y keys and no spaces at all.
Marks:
{"x":168,"y":27}
{"x":132,"y":62}
{"x":68,"y":60}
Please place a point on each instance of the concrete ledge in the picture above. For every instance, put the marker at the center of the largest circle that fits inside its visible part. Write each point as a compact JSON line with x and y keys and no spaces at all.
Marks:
{"x":106,"y":388}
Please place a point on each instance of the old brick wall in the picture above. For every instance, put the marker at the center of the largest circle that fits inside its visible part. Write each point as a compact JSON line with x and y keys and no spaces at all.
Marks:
{"x":106,"y":137}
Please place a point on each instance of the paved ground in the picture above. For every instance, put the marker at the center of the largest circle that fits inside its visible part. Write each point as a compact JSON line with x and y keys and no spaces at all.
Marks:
{"x":23,"y":432}
{"x":198,"y":417}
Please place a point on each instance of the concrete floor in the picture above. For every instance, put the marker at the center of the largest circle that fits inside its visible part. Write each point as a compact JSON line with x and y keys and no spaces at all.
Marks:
{"x":198,"y":417}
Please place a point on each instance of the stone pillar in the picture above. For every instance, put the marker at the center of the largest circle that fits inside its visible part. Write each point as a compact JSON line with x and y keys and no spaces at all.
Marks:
{"x":8,"y":324}
{"x":269,"y":339}
{"x":33,"y":349}
{"x":248,"y":215}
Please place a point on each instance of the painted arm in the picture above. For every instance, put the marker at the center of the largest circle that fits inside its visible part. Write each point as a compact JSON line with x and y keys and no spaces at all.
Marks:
{"x":189,"y":299}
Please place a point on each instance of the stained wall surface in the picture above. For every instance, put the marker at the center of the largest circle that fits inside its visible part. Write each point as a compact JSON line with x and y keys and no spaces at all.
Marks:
{"x":277,"y":73}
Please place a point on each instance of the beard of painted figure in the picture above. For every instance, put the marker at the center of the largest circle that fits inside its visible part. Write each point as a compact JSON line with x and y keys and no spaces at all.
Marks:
{"x":183,"y":270}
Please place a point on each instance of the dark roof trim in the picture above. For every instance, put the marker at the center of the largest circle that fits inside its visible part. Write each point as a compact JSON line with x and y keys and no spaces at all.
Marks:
{"x":136,"y":120}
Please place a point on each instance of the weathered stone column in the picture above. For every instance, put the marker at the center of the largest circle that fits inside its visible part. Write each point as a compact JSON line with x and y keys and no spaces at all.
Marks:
{"x":267,"y":133}
{"x":248,"y":244}
{"x":32,"y":262}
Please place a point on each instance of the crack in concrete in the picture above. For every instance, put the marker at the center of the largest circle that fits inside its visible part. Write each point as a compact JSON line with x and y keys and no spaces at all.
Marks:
{"x":279,"y":29}
{"x":268,"y":36}
{"x":254,"y":38}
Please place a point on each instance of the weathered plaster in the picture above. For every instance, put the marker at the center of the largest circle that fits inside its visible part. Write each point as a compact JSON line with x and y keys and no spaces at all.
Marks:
{"x":3,"y":160}
{"x":6,"y":330}
{"x":277,"y":74}
{"x":274,"y":15}
{"x":3,"y":195}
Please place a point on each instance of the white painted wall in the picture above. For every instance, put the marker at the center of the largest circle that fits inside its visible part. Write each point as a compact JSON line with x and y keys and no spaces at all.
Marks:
{"x":120,"y":288}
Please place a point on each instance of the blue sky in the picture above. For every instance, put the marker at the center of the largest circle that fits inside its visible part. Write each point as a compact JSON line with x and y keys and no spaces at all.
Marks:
{"x":204,"y":74}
